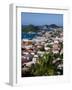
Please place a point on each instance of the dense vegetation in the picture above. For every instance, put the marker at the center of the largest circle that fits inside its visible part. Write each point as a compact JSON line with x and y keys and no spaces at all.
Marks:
{"x":29,"y":28}
{"x":45,"y":66}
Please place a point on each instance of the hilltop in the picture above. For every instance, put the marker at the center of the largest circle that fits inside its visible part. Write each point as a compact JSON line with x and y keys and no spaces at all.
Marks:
{"x":33,"y":28}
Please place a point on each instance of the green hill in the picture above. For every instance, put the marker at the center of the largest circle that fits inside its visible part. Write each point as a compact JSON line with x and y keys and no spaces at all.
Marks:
{"x":29,"y":28}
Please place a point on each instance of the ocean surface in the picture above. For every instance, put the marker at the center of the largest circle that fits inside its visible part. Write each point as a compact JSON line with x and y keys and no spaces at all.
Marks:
{"x":29,"y":36}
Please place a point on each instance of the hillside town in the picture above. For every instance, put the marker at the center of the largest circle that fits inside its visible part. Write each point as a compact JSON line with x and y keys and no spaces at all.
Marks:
{"x":45,"y":42}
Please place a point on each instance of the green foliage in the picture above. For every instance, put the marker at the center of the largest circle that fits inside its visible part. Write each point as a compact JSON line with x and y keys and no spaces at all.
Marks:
{"x":44,"y":66}
{"x":29,"y":28}
{"x":56,"y":56}
{"x":61,"y":56}
{"x":49,"y":46}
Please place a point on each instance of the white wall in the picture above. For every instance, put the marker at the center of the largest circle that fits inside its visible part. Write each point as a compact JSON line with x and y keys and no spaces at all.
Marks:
{"x":4,"y":43}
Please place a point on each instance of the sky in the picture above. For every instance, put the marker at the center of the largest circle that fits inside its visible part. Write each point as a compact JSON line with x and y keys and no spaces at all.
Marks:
{"x":41,"y":19}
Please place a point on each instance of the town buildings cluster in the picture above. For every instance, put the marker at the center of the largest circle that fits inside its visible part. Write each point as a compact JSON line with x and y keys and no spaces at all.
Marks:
{"x":45,"y":42}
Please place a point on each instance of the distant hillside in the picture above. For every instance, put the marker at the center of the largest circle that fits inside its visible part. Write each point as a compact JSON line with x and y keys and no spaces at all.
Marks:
{"x":53,"y":26}
{"x":32,"y":28}
{"x":29,"y":28}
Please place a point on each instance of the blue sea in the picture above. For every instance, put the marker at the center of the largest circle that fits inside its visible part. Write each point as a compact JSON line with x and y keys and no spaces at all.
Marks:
{"x":29,"y":36}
